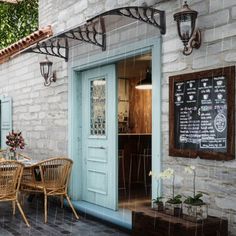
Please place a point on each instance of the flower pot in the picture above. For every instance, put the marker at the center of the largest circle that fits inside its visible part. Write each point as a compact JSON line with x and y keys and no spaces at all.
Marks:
{"x":195,"y":213}
{"x":158,"y":206}
{"x":173,"y":209}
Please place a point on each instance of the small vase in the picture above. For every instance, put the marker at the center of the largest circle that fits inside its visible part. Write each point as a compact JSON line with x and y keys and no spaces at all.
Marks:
{"x":158,"y":206}
{"x":12,"y":155}
{"x":173,"y":209}
{"x":195,"y":213}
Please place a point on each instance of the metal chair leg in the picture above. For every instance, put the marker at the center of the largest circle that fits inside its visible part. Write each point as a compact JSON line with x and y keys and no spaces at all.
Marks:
{"x":130,"y":172}
{"x":144,"y":173}
{"x":123,"y":174}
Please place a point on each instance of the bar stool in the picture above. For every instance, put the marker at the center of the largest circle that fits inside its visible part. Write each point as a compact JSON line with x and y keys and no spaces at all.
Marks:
{"x":121,"y":159}
{"x":141,"y":158}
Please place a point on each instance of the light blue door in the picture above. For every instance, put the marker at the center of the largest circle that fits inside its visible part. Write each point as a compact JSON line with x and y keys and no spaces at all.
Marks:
{"x":99,"y":134}
{"x":5,"y":119}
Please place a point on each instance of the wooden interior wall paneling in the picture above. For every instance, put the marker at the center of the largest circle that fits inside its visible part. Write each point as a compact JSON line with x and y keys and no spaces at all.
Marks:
{"x":140,"y":112}
{"x":140,"y":101}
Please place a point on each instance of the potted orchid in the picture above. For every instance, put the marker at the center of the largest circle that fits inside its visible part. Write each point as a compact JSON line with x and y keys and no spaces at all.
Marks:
{"x":173,"y":205}
{"x":194,"y":209}
{"x":14,"y":141}
{"x":157,"y":202}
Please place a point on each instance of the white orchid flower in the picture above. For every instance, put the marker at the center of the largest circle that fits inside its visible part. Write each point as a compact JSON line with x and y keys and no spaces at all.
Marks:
{"x":154,"y":175}
{"x":189,"y":169}
{"x":167,"y":174}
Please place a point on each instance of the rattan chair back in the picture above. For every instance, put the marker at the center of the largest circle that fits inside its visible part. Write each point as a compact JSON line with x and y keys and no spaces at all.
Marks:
{"x":55,"y":173}
{"x":10,"y":174}
{"x":10,"y":179}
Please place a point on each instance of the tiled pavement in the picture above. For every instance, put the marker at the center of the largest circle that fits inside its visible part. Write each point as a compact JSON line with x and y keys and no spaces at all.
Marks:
{"x":60,"y":222}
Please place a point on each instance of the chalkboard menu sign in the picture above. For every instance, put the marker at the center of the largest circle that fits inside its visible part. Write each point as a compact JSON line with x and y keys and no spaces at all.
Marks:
{"x":202,"y":114}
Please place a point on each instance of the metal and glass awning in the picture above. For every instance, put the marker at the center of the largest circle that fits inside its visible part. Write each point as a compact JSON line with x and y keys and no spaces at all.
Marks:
{"x":94,"y":30}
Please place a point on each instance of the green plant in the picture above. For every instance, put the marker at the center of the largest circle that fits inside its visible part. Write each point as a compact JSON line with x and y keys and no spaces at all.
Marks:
{"x":175,"y":199}
{"x":17,"y":21}
{"x":168,"y":174}
{"x":157,"y":178}
{"x":157,"y":200}
{"x":196,"y":200}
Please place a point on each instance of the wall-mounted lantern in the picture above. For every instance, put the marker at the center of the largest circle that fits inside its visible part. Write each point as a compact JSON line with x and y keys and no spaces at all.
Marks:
{"x":186,"y":20}
{"x":46,"y":72}
{"x":145,"y":83}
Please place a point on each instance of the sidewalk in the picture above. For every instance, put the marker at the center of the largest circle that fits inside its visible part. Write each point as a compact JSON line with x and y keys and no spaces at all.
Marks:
{"x":60,"y":222}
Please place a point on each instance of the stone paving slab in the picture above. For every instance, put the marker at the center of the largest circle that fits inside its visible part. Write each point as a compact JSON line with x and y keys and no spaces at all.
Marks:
{"x":60,"y":222}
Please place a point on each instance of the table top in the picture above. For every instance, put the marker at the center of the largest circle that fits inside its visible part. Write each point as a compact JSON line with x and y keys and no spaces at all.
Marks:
{"x":28,"y":163}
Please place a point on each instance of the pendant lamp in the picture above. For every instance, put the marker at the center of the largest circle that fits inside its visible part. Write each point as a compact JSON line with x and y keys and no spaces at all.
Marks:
{"x":145,"y":83}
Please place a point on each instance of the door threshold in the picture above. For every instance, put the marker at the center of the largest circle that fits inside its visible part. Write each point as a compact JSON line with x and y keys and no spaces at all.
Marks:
{"x":121,"y":217}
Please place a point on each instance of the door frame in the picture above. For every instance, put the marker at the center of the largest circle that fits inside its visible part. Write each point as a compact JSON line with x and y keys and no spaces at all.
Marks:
{"x":75,"y":99}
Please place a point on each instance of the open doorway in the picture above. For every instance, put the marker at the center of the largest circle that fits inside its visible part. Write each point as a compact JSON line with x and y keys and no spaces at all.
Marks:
{"x":135,"y":131}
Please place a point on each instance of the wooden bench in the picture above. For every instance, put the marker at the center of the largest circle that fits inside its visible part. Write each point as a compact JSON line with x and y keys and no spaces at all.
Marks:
{"x":153,"y":223}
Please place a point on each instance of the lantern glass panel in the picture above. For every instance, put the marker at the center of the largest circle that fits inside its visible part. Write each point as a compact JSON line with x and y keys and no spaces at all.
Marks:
{"x":186,"y":29}
{"x":46,"y":69}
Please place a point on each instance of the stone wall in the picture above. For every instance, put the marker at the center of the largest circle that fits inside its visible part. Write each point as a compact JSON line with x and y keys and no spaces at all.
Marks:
{"x":216,"y":179}
{"x":39,"y":112}
{"x":42,"y":112}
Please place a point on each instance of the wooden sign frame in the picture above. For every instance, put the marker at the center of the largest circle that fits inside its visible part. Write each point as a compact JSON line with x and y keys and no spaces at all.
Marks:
{"x":229,"y":74}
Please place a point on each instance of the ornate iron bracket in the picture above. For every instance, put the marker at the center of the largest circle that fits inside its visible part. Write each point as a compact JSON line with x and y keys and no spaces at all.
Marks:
{"x":145,"y":14}
{"x":89,"y":33}
{"x":94,"y":30}
{"x":57,"y":47}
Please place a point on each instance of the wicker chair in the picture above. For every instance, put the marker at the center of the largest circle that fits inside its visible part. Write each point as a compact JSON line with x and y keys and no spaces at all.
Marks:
{"x":10,"y":178}
{"x":49,"y":177}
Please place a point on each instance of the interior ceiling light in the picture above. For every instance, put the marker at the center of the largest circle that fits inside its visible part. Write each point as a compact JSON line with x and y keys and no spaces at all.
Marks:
{"x":145,"y":83}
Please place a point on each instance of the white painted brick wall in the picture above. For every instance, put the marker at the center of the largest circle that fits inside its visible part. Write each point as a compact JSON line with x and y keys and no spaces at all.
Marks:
{"x":32,"y":114}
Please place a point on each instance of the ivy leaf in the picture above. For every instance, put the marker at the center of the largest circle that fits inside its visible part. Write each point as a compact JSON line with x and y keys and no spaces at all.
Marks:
{"x":17,"y":21}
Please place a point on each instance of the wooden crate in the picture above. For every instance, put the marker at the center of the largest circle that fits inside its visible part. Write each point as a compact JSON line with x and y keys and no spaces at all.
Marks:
{"x":153,"y":223}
